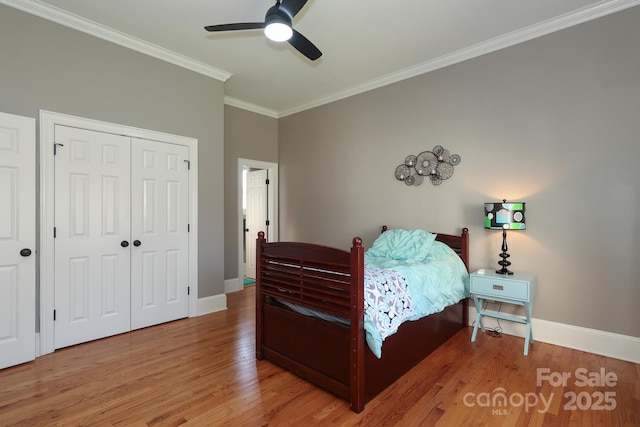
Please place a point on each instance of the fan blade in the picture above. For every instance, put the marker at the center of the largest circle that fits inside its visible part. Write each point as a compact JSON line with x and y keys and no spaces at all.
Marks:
{"x":234,"y":27}
{"x":304,"y":46}
{"x":292,"y":7}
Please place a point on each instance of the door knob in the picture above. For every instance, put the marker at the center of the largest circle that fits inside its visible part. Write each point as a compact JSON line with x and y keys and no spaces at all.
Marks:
{"x":124,"y":243}
{"x":25,"y":252}
{"x":137,"y":243}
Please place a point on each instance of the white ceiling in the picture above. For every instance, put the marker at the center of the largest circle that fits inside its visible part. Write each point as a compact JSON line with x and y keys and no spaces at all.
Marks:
{"x":365,"y":43}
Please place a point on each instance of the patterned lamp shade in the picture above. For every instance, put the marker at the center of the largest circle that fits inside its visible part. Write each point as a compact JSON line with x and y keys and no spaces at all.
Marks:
{"x":504,"y":216}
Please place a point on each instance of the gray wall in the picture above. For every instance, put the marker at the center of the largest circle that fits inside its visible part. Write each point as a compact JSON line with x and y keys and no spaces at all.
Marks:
{"x":250,"y":136}
{"x":553,"y":122}
{"x":48,"y":66}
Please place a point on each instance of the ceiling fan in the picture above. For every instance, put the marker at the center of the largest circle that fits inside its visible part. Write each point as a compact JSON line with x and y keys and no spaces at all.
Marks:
{"x":277,"y":27}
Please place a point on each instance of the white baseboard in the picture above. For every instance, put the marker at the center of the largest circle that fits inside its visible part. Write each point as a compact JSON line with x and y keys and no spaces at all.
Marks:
{"x":617,"y":346}
{"x":233,"y":285}
{"x":208,"y":305}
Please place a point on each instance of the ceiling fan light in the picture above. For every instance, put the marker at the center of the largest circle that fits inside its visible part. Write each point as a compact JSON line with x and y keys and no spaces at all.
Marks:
{"x":278,"y":31}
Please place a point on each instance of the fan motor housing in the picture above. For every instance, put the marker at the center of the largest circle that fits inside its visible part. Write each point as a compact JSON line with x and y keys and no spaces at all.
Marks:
{"x":275,"y":14}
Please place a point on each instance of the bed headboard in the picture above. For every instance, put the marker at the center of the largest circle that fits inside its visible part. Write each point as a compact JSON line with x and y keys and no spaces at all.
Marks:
{"x":459,"y":243}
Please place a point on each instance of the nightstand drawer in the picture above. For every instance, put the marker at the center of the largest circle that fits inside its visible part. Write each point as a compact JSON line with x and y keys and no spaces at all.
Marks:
{"x":490,"y":286}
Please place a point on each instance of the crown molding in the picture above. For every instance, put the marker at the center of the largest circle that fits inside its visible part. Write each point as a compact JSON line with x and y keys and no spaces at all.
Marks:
{"x":516,"y":37}
{"x":235,"y":102}
{"x":75,"y":22}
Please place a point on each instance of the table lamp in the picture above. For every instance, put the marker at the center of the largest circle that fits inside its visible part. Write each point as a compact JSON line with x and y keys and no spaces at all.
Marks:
{"x":504,"y":216}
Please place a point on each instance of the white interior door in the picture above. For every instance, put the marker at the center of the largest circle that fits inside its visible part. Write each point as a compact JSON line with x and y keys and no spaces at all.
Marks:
{"x":256,"y":215}
{"x":159,"y":222}
{"x":92,"y":223}
{"x":17,"y":233}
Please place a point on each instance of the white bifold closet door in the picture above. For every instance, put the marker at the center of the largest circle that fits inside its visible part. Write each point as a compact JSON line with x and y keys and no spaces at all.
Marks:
{"x":119,"y":204}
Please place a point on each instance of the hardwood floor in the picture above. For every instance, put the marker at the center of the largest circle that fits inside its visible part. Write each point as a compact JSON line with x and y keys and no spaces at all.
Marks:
{"x":203,"y":372}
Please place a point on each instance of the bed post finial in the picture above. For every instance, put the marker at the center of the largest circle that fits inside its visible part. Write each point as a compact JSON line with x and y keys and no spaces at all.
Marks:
{"x":384,"y":228}
{"x":357,"y":242}
{"x":260,"y":235}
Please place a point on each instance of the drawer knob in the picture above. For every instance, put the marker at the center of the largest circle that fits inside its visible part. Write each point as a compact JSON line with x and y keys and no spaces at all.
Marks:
{"x":498,"y":287}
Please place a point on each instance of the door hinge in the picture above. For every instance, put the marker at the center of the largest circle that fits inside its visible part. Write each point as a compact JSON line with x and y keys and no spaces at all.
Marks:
{"x":55,"y":147}
{"x":54,"y":315}
{"x":188,"y":228}
{"x":188,"y":290}
{"x":55,"y":232}
{"x":188,"y":162}
{"x":267,"y":181}
{"x":267,"y":223}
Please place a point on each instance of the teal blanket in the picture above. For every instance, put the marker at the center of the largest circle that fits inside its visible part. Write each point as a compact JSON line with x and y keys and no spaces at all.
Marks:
{"x":425,"y":284}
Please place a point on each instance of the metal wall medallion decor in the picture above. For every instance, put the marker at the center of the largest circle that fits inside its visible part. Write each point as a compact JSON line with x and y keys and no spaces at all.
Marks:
{"x":437,"y":165}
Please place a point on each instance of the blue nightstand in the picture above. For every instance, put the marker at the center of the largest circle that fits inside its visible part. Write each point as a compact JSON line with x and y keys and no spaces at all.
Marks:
{"x":518,"y":288}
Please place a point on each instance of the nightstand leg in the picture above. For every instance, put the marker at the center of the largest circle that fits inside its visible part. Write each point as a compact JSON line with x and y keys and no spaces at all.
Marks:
{"x":528,"y":310}
{"x":529,"y":334}
{"x":478,"y":303}
{"x":475,"y":328}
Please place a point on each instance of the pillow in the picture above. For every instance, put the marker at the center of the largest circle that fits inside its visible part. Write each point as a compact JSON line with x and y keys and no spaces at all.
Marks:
{"x":403,"y":245}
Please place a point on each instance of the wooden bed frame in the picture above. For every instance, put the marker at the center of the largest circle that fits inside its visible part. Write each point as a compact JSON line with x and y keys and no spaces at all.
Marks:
{"x":329,"y":354}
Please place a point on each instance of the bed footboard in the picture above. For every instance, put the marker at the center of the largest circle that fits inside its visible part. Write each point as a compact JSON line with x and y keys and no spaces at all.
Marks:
{"x":320,"y":278}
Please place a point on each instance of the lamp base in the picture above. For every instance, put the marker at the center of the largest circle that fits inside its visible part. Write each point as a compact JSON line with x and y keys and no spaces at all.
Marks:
{"x":504,"y":255}
{"x":504,"y":263}
{"x":504,"y":270}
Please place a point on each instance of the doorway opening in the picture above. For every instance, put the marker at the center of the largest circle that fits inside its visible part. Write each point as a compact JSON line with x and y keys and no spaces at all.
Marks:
{"x":257,"y":211}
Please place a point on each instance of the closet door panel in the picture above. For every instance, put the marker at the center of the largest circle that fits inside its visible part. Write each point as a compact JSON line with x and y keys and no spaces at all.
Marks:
{"x":159,"y":221}
{"x":92,"y":209}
